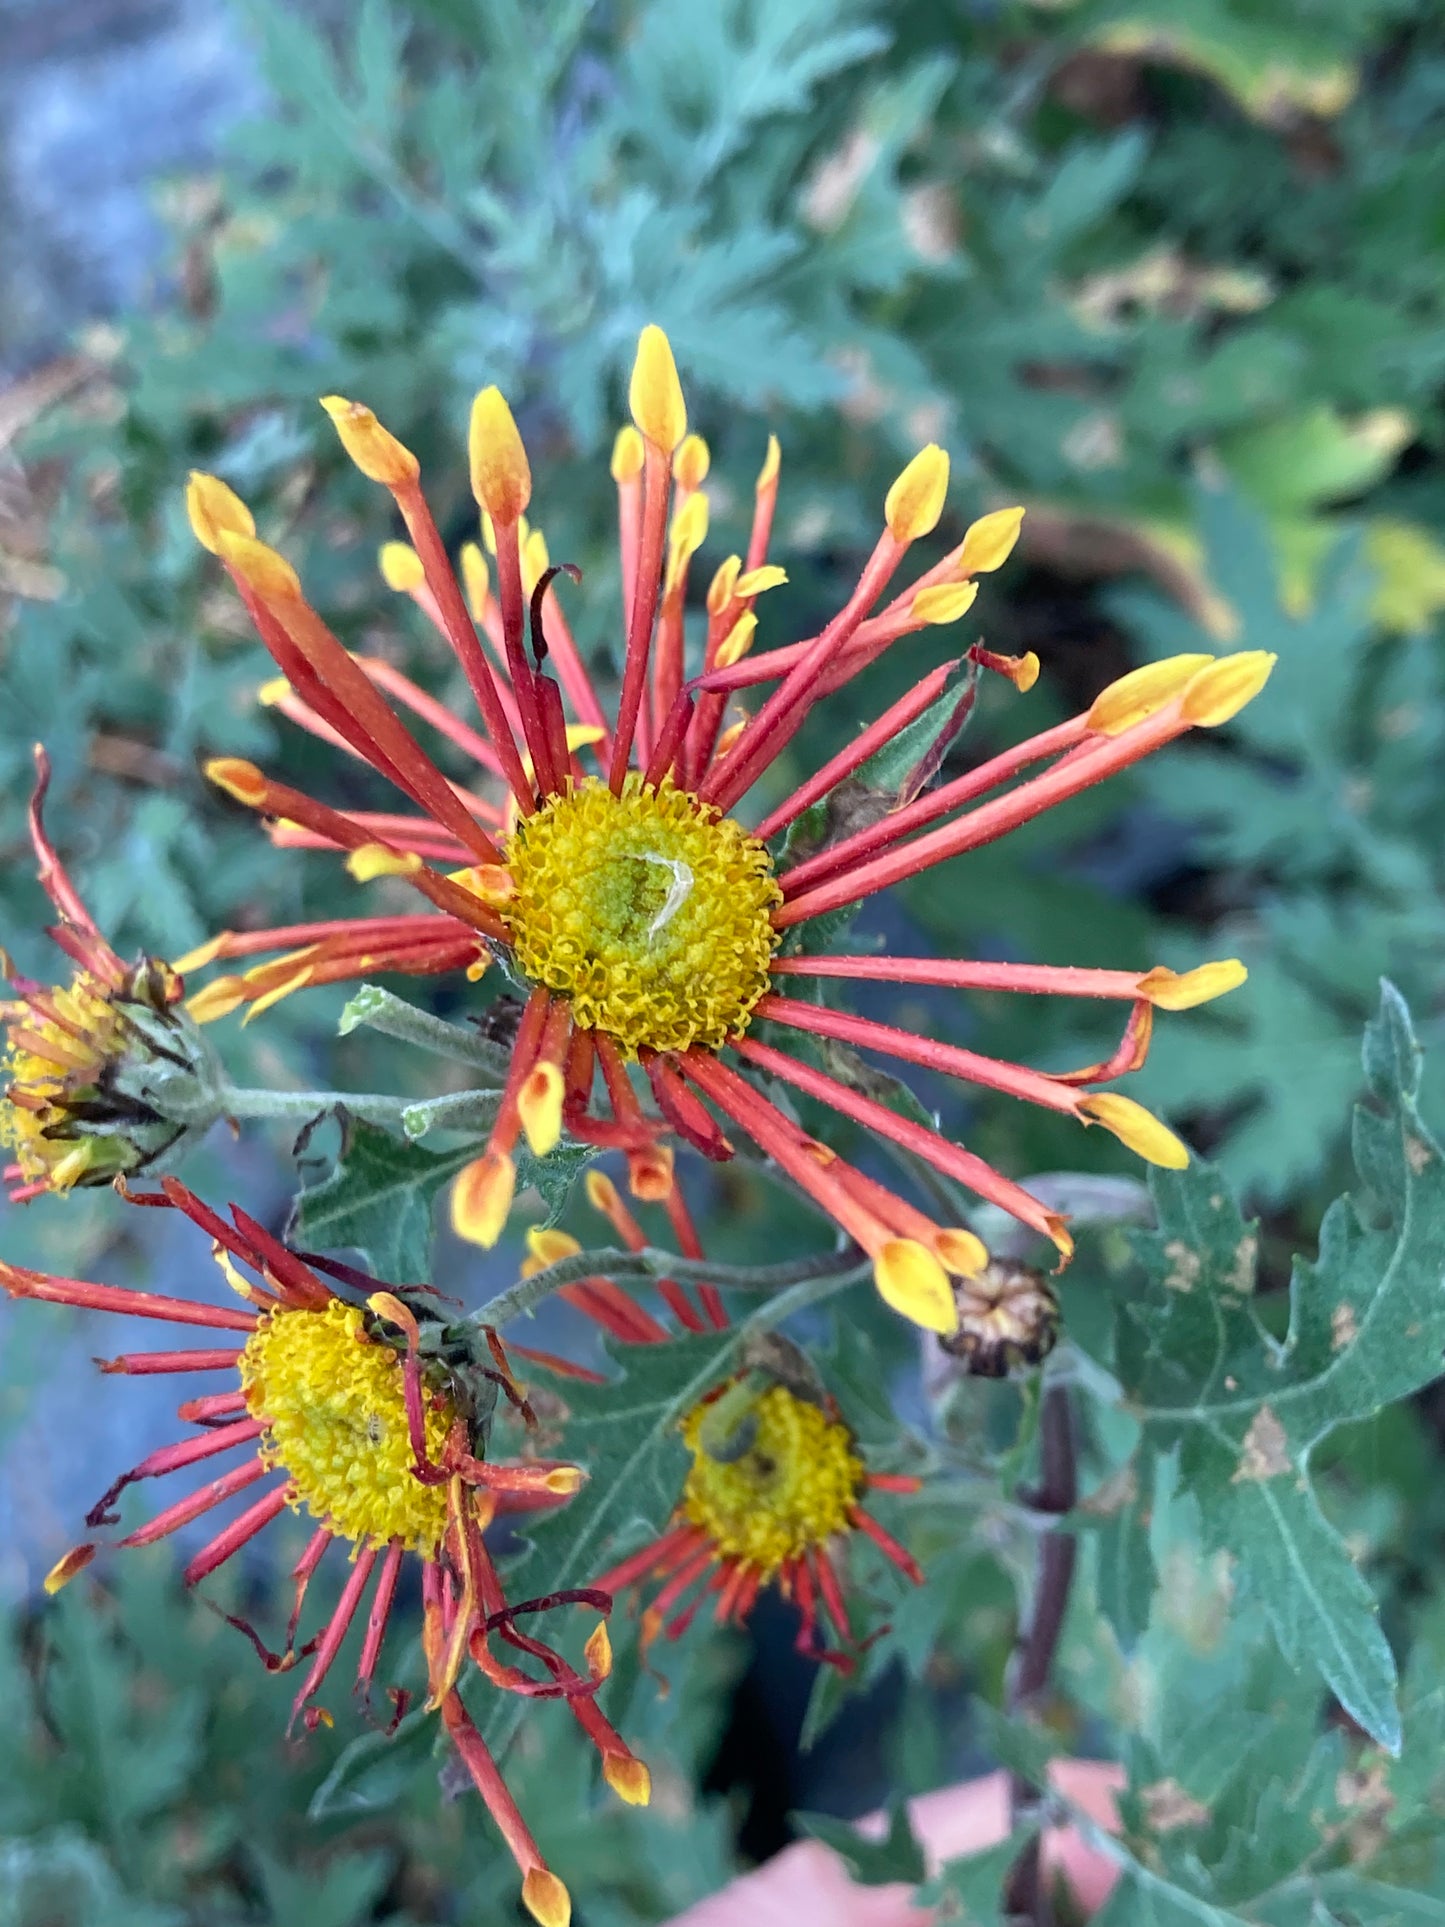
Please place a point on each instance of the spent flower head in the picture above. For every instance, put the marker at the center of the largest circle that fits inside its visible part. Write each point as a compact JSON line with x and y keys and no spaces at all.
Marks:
{"x":612,"y":857}
{"x":105,"y":1074}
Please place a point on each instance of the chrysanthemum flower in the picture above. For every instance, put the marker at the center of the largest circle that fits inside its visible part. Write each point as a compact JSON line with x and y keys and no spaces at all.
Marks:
{"x":102,"y":1075}
{"x":365,"y":1415}
{"x":653,"y":923}
{"x":777,"y":1484}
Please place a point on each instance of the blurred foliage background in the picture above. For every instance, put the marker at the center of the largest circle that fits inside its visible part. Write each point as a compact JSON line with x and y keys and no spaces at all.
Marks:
{"x":1167,"y":271}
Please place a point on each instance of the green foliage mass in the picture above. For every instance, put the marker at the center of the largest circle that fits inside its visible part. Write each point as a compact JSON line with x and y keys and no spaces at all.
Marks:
{"x":1169,"y":273}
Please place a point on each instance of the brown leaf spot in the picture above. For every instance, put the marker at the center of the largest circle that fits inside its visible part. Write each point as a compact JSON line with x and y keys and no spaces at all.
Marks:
{"x":1184,"y":1266}
{"x":1167,"y":1806}
{"x":1344,"y":1327}
{"x":1417,"y":1153}
{"x":1241,"y":1271}
{"x":1265,"y":1454}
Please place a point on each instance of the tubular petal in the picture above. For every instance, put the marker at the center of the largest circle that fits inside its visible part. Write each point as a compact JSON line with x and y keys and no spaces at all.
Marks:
{"x":264,"y":571}
{"x":482,"y":1197}
{"x":989,"y":542}
{"x":1137,"y":696}
{"x":1223,"y":689}
{"x":945,"y":602}
{"x":1172,"y":990}
{"x":501,"y":475}
{"x":546,"y":1899}
{"x":215,"y":510}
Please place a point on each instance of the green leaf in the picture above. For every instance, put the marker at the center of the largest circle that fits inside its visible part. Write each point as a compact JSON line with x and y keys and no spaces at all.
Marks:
{"x":378,"y":1200}
{"x":1367,"y":1326}
{"x":873,"y":1863}
{"x":376,"y":1768}
{"x":969,"y":1889}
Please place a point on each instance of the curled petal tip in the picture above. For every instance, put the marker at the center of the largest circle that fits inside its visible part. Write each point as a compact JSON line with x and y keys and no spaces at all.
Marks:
{"x":1175,"y":990}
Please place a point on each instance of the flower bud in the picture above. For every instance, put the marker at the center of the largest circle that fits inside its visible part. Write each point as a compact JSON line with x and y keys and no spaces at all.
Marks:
{"x":1008,"y":1318}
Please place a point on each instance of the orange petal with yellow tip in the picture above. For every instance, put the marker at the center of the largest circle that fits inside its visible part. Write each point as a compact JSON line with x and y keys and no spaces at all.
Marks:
{"x":1136,"y":697}
{"x":565,"y":1480}
{"x":203,"y":954}
{"x":768,"y":473}
{"x":1175,"y":990}
{"x":915,"y":501}
{"x":374,"y":449}
{"x":912,"y":1281}
{"x":547,"y":1246}
{"x":546,"y":1899}
{"x":217,"y":1000}
{"x":649,"y":1173}
{"x":654,"y":394}
{"x":215,"y":510}
{"x":482,"y":1197}
{"x":501,"y":473}
{"x":1139,"y":1129}
{"x":387,"y":1305}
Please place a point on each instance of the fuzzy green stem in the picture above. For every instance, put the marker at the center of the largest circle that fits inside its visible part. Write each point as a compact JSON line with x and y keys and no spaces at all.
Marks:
{"x":377,"y":1009}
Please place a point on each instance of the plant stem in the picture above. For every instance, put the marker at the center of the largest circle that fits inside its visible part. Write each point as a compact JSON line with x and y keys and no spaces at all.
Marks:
{"x":377,"y":1009}
{"x":303,"y":1105}
{"x":1025,"y":1892}
{"x":833,"y":1273}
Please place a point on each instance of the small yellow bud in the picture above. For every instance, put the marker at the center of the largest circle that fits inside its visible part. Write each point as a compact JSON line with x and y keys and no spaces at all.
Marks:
{"x":962,"y":1253}
{"x":628,"y":455}
{"x":912,"y":1281}
{"x":482,"y":1197}
{"x":737,"y":642}
{"x":273,"y":692}
{"x":691,"y":463}
{"x":400,"y":567}
{"x":265,"y":572}
{"x":945,"y":602}
{"x":546,"y":1899}
{"x":602,"y":1193}
{"x":545,"y":1247}
{"x":1171,"y":990}
{"x":721,"y":588}
{"x":565,"y":1480}
{"x":501,"y":475}
{"x":476,"y":579}
{"x":237,"y":778}
{"x":539,"y":1103}
{"x":598,"y":1652}
{"x":756,"y":581}
{"x":374,"y":449}
{"x":915,"y":501}
{"x":64,"y":1570}
{"x":655,"y":393}
{"x":989,"y":542}
{"x":1135,"y":697}
{"x":628,"y":1778}
{"x":1139,"y":1129}
{"x":1223,"y":689}
{"x":768,"y":473}
{"x":215,"y":510}
{"x":375,"y":860}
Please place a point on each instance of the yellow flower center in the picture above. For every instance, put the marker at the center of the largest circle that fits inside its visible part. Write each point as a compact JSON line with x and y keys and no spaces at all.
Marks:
{"x":35,"y":1115}
{"x":792,"y":1483}
{"x":335,"y":1417}
{"x":648,"y":911}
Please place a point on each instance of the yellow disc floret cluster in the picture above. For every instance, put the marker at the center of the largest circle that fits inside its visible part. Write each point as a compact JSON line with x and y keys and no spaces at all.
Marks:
{"x":648,"y":911}
{"x":335,"y":1417}
{"x":792,"y":1488}
{"x":42,"y":1084}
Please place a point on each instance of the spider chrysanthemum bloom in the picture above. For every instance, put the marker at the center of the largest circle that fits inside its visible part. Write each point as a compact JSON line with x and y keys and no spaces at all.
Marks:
{"x":354,"y":1412}
{"x":777,"y":1484}
{"x":653,"y":922}
{"x":105,"y":1074}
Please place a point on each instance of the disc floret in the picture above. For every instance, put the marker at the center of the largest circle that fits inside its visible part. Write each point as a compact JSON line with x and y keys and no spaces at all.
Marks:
{"x":781,"y":1484}
{"x":333,"y":1400}
{"x":648,"y":911}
